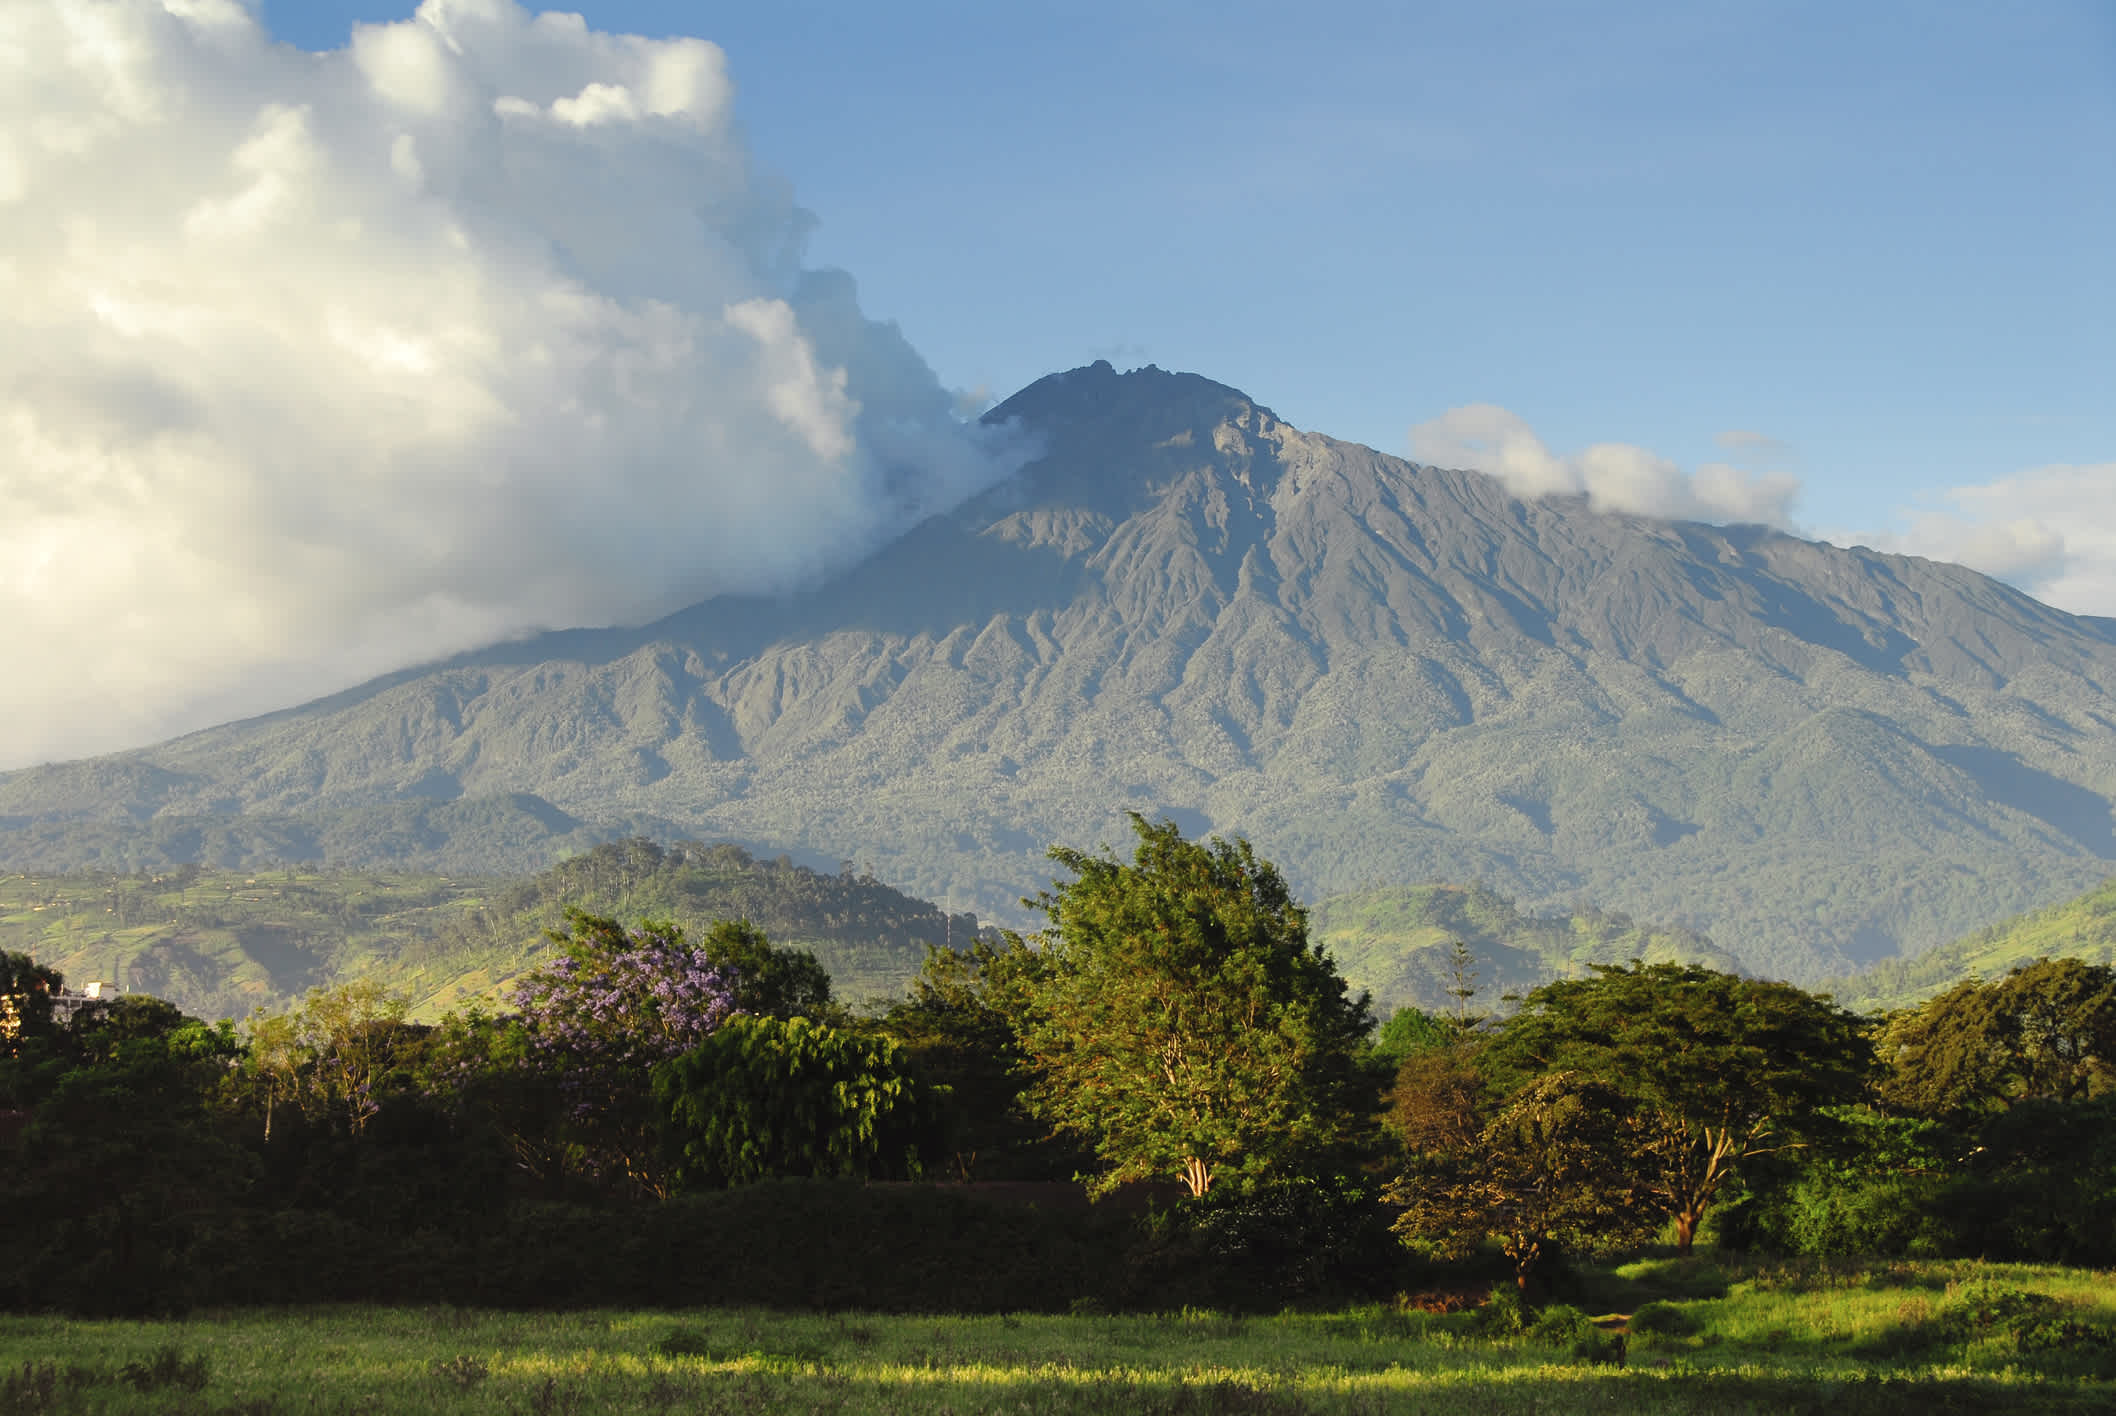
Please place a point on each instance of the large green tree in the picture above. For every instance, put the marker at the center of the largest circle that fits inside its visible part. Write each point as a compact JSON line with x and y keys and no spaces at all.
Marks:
{"x":1713,"y":1068}
{"x":1185,"y":1026}
{"x":960,"y":1027}
{"x":769,"y":1096}
{"x":2046,"y":1031}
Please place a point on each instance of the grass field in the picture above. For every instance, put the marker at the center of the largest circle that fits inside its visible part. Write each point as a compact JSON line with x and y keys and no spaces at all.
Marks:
{"x":1660,"y":1336}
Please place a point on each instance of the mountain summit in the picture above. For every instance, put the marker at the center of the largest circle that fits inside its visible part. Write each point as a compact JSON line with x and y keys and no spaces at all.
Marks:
{"x":1379,"y":672}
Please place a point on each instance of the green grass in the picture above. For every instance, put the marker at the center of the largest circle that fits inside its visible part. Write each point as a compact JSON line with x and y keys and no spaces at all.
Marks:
{"x":1726,"y":1338}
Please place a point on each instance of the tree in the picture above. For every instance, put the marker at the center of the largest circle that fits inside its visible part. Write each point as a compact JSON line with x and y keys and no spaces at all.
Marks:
{"x":616,"y":1002}
{"x":1411,"y":1031}
{"x":767,"y":1096}
{"x":1185,"y":1026}
{"x":769,"y":981}
{"x":2046,"y":1031}
{"x":1534,"y":1171}
{"x":26,"y":989}
{"x":1713,"y":1068}
{"x":960,"y":1029}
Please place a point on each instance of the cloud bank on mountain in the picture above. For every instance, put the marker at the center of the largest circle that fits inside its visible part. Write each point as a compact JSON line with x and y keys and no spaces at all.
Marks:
{"x":1484,"y":437}
{"x":315,"y":365}
{"x":2049,"y":530}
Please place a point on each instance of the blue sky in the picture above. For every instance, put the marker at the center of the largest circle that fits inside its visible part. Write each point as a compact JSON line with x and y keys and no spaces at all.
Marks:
{"x":335,"y":338}
{"x":1880,"y":233}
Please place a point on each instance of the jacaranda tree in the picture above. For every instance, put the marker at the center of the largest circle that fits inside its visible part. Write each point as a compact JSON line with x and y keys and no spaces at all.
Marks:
{"x":595,"y":1020}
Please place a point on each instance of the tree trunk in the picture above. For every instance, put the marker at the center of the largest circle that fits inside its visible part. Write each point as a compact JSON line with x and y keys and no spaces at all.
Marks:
{"x":1197,"y":1176}
{"x":1686,"y":1229}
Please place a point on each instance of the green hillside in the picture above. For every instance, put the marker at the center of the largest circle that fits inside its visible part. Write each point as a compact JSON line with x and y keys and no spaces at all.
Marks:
{"x":1398,"y":944}
{"x":2083,"y":928}
{"x":219,"y":943}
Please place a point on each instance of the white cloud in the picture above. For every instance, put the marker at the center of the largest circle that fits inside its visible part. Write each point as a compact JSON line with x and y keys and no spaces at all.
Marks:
{"x":312,"y":365}
{"x":1612,"y":476}
{"x":2050,"y":530}
{"x":1752,"y":446}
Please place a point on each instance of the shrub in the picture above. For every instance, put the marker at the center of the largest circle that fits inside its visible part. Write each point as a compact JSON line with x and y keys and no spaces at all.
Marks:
{"x":1662,"y":1320}
{"x":1505,"y":1314}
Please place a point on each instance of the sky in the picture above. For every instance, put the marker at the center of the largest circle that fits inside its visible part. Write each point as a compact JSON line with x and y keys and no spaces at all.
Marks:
{"x":335,"y":336}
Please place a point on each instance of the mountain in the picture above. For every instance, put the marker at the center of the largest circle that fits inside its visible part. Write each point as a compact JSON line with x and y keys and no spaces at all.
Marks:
{"x":1381,"y":673}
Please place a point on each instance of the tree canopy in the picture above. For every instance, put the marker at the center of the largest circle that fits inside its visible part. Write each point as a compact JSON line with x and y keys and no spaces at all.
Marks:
{"x":1713,"y":1068}
{"x":1184,"y":1025}
{"x":2046,"y":1031}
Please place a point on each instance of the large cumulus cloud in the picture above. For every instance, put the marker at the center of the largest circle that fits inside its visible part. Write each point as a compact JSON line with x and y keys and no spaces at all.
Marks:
{"x":314,"y":365}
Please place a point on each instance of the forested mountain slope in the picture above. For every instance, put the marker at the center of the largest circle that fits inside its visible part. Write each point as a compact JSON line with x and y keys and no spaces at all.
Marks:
{"x":1381,"y":673}
{"x":2082,"y":928}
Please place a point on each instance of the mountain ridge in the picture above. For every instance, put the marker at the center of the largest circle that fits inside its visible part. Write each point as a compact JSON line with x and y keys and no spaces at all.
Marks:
{"x":1382,"y":673}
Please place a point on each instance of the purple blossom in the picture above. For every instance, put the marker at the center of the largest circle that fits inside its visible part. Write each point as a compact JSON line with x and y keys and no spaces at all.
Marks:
{"x":617,"y":1002}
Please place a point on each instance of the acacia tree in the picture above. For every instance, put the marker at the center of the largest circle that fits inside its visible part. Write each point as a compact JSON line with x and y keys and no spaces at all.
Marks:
{"x":1533,"y":1171}
{"x":1713,"y":1068}
{"x":1185,"y":1026}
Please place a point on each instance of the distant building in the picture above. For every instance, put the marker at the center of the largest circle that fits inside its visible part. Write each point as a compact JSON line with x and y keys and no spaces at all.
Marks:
{"x":67,"y":1002}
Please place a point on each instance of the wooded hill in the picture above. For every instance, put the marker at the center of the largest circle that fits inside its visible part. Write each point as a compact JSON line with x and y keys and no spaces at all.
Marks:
{"x":1399,"y":944}
{"x":2082,"y":928}
{"x":219,"y":943}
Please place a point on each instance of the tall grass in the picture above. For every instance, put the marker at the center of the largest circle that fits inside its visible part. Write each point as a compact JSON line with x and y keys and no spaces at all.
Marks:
{"x":1708,"y":1337}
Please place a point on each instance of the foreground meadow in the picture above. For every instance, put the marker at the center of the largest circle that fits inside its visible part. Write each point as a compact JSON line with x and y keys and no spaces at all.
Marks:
{"x":1657,"y":1336}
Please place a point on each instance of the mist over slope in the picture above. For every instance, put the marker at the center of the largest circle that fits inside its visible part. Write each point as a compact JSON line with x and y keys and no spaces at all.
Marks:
{"x":1379,"y":672}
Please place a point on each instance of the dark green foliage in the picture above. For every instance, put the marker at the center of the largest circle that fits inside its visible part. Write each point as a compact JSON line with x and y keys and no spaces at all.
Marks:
{"x":1184,"y":1025}
{"x":124,"y":1170}
{"x":2039,"y":1183}
{"x":1298,"y":1241}
{"x":26,"y":988}
{"x":958,"y":1028}
{"x":1713,"y":1069}
{"x":2046,"y":1031}
{"x":764,"y":1097}
{"x":1868,"y":1184}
